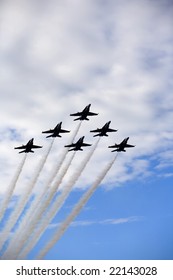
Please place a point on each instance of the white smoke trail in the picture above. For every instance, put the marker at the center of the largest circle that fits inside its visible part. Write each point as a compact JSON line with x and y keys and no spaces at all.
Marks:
{"x":38,"y":199}
{"x":33,"y":205}
{"x":33,"y":217}
{"x":37,"y":203}
{"x":54,"y":208}
{"x":11,"y":188}
{"x":58,"y":166}
{"x":23,"y":199}
{"x":75,"y":211}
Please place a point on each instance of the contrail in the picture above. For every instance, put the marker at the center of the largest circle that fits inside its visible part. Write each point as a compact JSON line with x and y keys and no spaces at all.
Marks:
{"x":11,"y":188}
{"x":58,"y":166}
{"x":37,"y":203}
{"x":44,"y":189}
{"x":75,"y":211}
{"x":54,"y":208}
{"x":33,"y":217}
{"x":23,"y":199}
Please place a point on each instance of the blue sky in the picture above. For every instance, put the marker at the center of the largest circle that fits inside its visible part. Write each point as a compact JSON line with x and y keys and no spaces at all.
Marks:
{"x":130,"y":222}
{"x":56,"y":58}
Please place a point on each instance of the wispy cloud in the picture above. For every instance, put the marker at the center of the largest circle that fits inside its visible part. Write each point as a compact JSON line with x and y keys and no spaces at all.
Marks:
{"x":121,"y":220}
{"x":112,"y":221}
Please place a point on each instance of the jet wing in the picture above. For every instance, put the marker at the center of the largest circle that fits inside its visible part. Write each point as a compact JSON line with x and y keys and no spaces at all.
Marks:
{"x":114,"y":146}
{"x":76,"y":114}
{"x":64,"y":131}
{"x":21,"y":147}
{"x":48,"y":131}
{"x":91,"y":114}
{"x":111,"y":130}
{"x":35,"y":147}
{"x":84,"y":144}
{"x":129,"y":146}
{"x":96,"y":130}
{"x":70,"y":145}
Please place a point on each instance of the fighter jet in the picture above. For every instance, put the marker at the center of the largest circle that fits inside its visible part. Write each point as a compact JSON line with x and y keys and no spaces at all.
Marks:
{"x":103,"y":131}
{"x":77,"y":146}
{"x":84,"y":114}
{"x":28,"y":147}
{"x":121,"y":147}
{"x":56,"y":131}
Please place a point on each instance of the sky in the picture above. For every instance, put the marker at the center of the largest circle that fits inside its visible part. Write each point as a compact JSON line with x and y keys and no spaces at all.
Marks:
{"x":59,"y":56}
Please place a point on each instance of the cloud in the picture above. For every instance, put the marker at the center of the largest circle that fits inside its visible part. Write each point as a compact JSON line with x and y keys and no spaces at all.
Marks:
{"x":102,"y":222}
{"x":107,"y":221}
{"x":166,"y":175}
{"x":55,"y":60}
{"x":120,"y":220}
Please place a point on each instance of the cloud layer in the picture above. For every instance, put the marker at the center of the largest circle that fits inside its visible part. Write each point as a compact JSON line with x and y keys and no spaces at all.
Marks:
{"x":59,"y":56}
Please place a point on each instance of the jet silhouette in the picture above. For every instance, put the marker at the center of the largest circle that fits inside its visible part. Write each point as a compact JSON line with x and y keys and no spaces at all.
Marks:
{"x":55,"y":132}
{"x":103,"y":131}
{"x":28,"y":147}
{"x":77,"y":146}
{"x":84,"y":114}
{"x":121,"y":147}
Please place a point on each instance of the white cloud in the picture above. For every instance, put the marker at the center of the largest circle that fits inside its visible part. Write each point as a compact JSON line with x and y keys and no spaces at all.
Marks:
{"x":58,"y":56}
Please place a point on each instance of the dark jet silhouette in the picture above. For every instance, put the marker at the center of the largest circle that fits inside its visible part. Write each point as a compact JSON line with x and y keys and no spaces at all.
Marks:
{"x":84,"y":114}
{"x":56,"y":131}
{"x":121,"y":147}
{"x":28,"y":147}
{"x":77,"y":146}
{"x":103,"y":131}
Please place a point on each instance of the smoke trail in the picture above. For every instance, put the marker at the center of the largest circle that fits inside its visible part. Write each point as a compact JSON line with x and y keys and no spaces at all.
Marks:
{"x":38,"y":201}
{"x":54,"y":207}
{"x":23,"y":199}
{"x":11,"y":188}
{"x":58,"y":166}
{"x":75,"y":211}
{"x":44,"y":188}
{"x":32,"y":218}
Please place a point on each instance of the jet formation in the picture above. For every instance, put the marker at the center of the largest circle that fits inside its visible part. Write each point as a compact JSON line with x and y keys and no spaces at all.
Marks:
{"x":77,"y":146}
